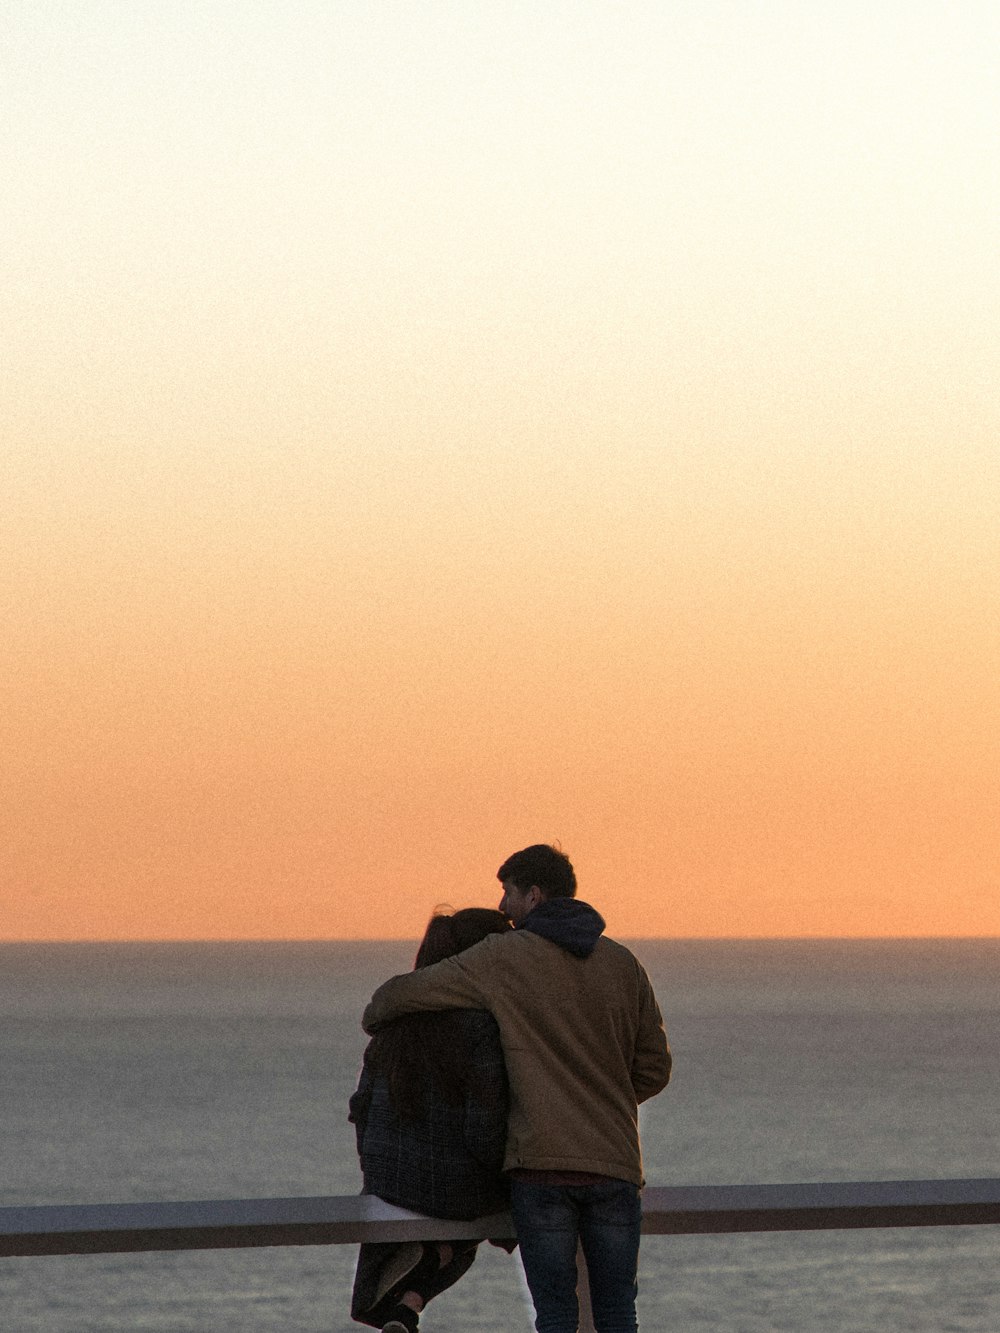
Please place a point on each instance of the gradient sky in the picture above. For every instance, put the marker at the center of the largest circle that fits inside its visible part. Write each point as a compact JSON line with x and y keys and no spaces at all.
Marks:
{"x":434,"y":428}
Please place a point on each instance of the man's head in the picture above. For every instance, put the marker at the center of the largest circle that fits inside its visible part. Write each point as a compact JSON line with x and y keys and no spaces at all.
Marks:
{"x":532,"y":876}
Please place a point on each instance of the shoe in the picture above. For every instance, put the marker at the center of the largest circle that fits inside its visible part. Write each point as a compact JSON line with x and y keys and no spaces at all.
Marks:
{"x":402,"y":1320}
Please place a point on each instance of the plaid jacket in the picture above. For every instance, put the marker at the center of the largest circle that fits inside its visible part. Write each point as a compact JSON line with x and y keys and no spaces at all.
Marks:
{"x":447,"y":1163}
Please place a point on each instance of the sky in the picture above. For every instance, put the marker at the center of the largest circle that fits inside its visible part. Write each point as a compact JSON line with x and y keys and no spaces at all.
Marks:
{"x":433,"y":429}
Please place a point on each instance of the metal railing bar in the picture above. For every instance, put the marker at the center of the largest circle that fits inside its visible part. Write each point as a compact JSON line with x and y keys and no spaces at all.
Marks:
{"x":847,"y":1205}
{"x":351,"y":1219}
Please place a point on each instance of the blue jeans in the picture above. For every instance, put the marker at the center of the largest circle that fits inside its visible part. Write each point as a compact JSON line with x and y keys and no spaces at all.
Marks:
{"x":605,"y":1219}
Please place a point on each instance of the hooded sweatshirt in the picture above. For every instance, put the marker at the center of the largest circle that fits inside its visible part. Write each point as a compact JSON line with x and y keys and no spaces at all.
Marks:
{"x":573,"y":925}
{"x":581,"y":1031}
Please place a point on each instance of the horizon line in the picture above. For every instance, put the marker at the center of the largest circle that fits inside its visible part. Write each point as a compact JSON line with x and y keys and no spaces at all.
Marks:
{"x":413,"y":939}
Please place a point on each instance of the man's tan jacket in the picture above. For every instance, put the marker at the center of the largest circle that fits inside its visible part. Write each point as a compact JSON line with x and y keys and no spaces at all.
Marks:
{"x":583,"y":1042}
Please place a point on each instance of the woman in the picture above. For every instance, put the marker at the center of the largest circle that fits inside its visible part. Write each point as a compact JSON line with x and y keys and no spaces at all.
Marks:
{"x":430,"y":1114}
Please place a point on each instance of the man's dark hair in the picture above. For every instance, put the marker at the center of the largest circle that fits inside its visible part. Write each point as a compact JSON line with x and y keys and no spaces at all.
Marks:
{"x":540,"y":866}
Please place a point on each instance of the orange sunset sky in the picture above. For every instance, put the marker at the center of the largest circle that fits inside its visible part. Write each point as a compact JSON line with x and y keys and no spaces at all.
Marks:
{"x":434,"y":428}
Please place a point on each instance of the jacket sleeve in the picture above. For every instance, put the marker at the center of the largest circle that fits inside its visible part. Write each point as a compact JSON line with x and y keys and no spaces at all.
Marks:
{"x":485,"y":1128}
{"x":455,"y":983}
{"x":651,"y":1060}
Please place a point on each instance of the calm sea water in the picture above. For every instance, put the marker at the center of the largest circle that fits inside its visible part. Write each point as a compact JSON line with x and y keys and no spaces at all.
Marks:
{"x":140,"y":1072}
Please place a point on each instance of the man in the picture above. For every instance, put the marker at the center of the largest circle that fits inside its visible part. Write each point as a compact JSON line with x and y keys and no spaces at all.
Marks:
{"x":584,"y":1044}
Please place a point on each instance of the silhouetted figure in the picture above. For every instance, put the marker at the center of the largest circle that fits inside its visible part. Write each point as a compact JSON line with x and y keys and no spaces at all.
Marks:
{"x":584,"y":1045}
{"x":430,"y":1113}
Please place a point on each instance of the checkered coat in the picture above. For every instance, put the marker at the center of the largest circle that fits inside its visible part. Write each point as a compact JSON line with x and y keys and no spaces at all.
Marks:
{"x":447,"y":1163}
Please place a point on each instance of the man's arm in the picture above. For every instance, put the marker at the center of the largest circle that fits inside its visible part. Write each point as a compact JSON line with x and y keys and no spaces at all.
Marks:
{"x":455,"y":983}
{"x":651,"y":1061}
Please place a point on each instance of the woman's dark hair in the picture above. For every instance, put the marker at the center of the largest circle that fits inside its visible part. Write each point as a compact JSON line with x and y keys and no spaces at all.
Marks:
{"x":449,"y":933}
{"x":431,"y":1050}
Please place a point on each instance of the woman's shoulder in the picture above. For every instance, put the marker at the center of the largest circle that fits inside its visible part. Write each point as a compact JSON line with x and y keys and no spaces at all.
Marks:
{"x":474,"y":1022}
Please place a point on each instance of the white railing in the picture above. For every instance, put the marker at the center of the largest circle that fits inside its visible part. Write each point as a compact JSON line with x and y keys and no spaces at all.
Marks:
{"x":350,"y":1219}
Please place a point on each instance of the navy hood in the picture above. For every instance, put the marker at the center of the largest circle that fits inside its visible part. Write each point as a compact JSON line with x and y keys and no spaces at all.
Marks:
{"x":573,"y":925}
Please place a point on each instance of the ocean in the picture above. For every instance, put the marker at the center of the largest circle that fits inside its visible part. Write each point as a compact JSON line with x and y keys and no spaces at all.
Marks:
{"x":133,"y":1072}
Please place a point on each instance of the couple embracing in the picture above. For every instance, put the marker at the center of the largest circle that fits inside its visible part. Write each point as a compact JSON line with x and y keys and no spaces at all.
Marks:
{"x":508,"y":1068}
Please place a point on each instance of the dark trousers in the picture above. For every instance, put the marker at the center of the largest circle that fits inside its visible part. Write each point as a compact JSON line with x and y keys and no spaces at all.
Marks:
{"x":605,"y":1219}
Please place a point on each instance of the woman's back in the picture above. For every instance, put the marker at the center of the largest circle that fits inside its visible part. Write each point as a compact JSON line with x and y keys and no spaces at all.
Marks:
{"x":437,"y":1145}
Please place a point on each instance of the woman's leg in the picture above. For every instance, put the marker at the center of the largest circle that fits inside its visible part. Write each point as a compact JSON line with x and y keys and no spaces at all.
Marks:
{"x":439,"y":1268}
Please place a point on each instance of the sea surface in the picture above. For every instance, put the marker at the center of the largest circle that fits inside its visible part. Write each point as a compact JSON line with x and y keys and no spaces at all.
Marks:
{"x":133,"y":1072}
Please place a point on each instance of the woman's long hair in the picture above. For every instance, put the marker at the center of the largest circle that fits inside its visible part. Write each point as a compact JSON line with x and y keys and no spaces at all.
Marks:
{"x":427,"y":1051}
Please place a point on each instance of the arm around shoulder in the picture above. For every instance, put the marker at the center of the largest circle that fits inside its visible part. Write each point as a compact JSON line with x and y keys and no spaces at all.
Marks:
{"x":455,"y":983}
